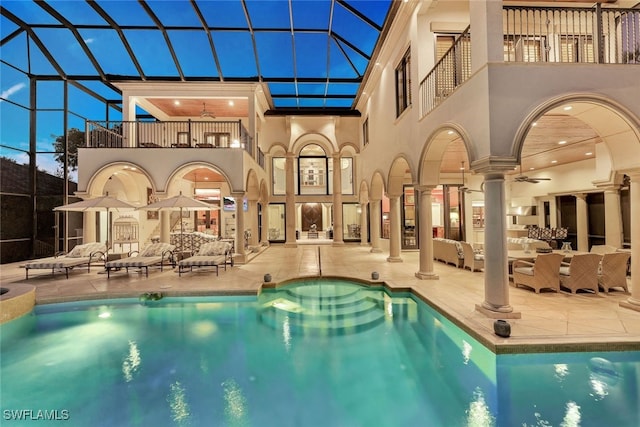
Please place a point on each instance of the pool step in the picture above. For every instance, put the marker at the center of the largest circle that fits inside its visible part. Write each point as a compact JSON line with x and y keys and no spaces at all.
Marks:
{"x":310,"y":310}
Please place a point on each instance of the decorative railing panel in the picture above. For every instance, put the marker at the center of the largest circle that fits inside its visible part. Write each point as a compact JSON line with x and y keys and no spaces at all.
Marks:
{"x":178,"y":134}
{"x":542,"y":34}
{"x":453,"y":69}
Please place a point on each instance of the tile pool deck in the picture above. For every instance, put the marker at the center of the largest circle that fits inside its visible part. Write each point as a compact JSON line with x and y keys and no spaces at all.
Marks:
{"x":549,"y":321}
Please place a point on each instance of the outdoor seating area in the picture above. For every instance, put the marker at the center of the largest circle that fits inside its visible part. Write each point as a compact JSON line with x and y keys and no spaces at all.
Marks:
{"x":214,"y":254}
{"x":570,"y":270}
{"x":448,"y":251}
{"x":155,"y":254}
{"x":80,"y":255}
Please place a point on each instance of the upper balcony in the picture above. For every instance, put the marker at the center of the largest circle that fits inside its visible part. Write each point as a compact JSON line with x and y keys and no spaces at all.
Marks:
{"x":203,"y":135}
{"x":594,"y":35}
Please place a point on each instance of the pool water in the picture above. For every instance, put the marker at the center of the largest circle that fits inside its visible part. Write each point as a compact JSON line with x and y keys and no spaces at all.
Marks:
{"x":312,"y":353}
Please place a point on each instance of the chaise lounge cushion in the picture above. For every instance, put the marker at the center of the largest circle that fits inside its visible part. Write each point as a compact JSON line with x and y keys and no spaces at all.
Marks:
{"x":214,"y":248}
{"x":86,"y":249}
{"x":156,"y":249}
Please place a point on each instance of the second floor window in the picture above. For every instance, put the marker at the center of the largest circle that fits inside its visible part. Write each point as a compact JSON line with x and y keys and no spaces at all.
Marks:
{"x":403,"y":83}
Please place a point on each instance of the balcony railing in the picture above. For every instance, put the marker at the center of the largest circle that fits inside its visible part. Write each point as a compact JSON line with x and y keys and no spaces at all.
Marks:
{"x":577,"y":35}
{"x":543,"y":34}
{"x":453,"y":69}
{"x":178,"y":134}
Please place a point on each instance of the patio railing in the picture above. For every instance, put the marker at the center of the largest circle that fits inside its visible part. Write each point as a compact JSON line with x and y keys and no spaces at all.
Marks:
{"x":542,"y":34}
{"x":174,"y":134}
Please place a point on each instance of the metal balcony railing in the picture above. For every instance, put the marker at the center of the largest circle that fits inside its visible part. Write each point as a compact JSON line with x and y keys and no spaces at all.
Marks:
{"x":542,"y":34}
{"x":453,"y":69}
{"x":575,"y":35}
{"x":178,"y":134}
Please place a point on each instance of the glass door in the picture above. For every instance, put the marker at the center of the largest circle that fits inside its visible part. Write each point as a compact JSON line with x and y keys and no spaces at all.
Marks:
{"x":277,"y":225}
{"x":409,"y":231}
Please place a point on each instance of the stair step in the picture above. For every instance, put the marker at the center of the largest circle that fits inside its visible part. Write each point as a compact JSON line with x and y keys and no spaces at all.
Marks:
{"x":322,"y":308}
{"x":323,"y":326}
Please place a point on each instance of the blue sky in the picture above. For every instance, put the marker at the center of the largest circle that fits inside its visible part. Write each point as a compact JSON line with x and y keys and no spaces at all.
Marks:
{"x":310,"y":53}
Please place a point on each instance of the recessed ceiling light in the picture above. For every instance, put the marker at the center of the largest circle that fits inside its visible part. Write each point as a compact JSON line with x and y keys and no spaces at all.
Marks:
{"x":588,"y":154}
{"x":554,"y":161}
{"x":231,"y":103}
{"x":206,"y":178}
{"x":534,"y":124}
{"x":567,"y":108}
{"x":562,"y":142}
{"x":462,"y":168}
{"x":531,"y":169}
{"x":450,"y":132}
{"x":176,"y":102}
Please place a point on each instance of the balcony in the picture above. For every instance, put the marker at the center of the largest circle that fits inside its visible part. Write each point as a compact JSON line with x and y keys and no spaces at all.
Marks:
{"x":594,"y":35}
{"x":178,"y":134}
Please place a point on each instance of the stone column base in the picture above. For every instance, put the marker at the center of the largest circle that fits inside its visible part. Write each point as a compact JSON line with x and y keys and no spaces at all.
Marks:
{"x":337,"y":244}
{"x":394,"y":259}
{"x":290,"y":245}
{"x":375,"y":250}
{"x":494,"y":314}
{"x":427,"y":276}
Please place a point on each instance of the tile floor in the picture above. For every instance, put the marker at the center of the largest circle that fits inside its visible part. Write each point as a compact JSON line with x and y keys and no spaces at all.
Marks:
{"x":549,"y":321}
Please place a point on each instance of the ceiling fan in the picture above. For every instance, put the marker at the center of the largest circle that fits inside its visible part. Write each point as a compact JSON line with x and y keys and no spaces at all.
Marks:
{"x":523,"y":178}
{"x":466,"y":189}
{"x":205,"y":113}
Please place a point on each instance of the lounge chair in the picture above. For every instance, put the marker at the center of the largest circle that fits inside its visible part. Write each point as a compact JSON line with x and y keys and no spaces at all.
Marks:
{"x":541,"y":274}
{"x":580,"y":273}
{"x":152,"y":255}
{"x":613,"y":271}
{"x":80,"y":255}
{"x":472,"y":260}
{"x":211,"y":254}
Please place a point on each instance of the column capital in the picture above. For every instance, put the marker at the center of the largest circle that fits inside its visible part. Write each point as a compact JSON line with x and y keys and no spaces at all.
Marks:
{"x":425,"y":188}
{"x":494,"y":164}
{"x":290,"y":155}
{"x":581,"y":196}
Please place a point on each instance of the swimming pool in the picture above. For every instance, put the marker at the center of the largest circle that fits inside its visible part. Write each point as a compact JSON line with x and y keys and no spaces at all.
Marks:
{"x":307,"y":354}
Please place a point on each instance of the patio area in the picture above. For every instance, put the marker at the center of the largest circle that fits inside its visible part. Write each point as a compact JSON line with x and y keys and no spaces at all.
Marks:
{"x":549,"y":321}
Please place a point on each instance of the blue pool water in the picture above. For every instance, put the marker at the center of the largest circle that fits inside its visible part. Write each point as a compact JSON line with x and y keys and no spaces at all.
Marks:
{"x":331,"y":354}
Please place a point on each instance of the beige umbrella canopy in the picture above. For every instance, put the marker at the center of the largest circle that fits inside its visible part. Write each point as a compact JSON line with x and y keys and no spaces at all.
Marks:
{"x":179,"y":203}
{"x":102,"y":203}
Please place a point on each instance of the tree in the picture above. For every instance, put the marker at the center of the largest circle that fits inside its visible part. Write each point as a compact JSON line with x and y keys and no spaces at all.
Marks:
{"x":75,"y":139}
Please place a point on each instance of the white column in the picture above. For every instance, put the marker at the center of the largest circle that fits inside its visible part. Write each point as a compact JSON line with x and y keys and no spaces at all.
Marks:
{"x":253,"y":222}
{"x":394,"y":232}
{"x":89,"y":227}
{"x":496,"y":268}
{"x":582,"y":223}
{"x":240,"y":254}
{"x":363,"y":225}
{"x":290,"y":206}
{"x":337,"y":202}
{"x":486,"y":21}
{"x":612,"y":217}
{"x":165,"y":226}
{"x":425,"y":227}
{"x":375,"y":225}
{"x":634,"y":192}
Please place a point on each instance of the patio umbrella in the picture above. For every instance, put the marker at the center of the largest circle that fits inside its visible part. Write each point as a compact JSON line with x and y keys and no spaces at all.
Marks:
{"x":180,"y":203}
{"x":102,"y":203}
